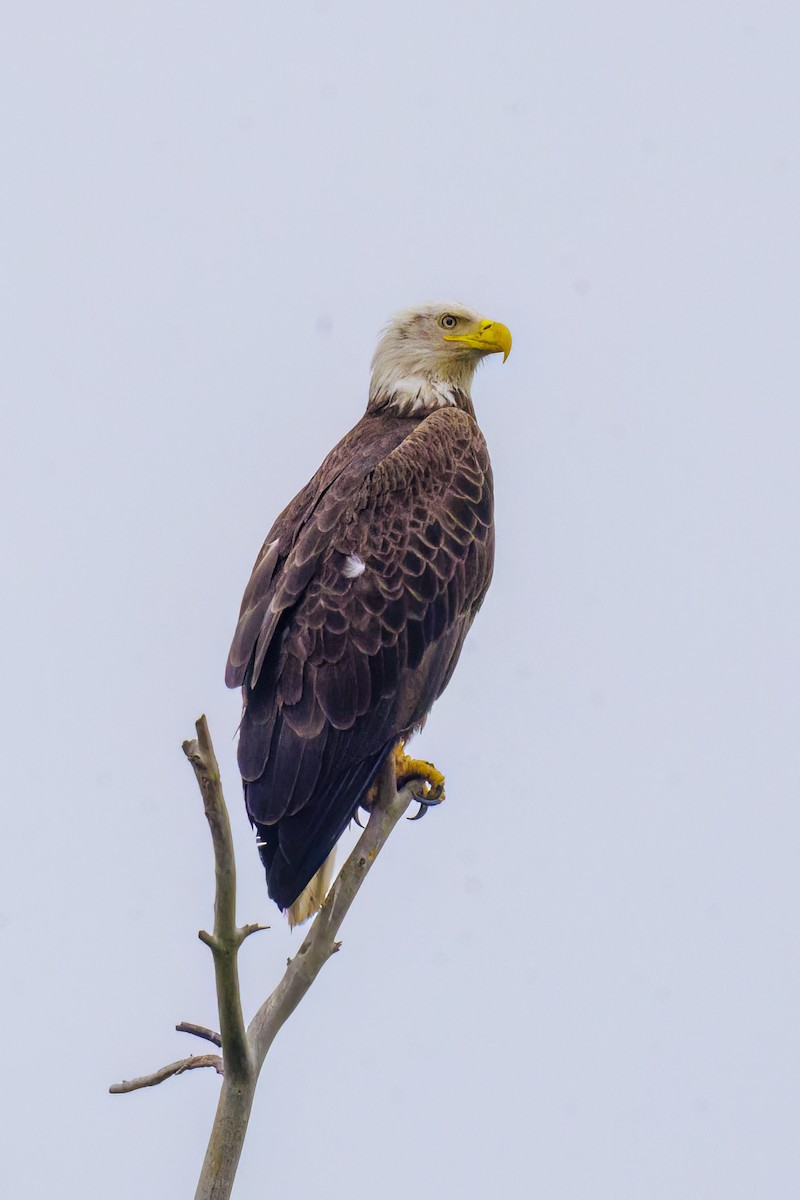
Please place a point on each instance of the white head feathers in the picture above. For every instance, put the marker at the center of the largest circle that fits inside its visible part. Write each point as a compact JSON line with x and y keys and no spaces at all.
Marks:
{"x":427,"y":356}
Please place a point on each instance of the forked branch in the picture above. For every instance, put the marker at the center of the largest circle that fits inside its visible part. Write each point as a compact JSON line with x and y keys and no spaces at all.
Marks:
{"x":244,"y":1050}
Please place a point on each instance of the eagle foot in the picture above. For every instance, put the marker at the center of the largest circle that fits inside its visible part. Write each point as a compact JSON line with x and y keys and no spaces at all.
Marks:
{"x":429,"y":780}
{"x":427,"y":784}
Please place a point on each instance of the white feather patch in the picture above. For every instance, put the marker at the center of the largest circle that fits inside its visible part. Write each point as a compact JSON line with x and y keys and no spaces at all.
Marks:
{"x":415,"y":393}
{"x":354,"y":566}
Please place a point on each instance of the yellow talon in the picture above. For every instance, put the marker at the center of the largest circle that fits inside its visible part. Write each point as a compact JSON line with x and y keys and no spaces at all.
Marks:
{"x":407,"y":768}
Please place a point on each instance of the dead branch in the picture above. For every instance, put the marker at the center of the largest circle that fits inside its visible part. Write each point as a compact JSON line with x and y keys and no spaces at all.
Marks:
{"x":235,"y":1102}
{"x":244,"y":1051}
{"x":177,"y":1068}
{"x":199,"y":1031}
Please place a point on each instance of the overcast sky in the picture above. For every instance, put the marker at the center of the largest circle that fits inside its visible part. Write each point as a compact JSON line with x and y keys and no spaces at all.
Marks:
{"x":579,"y":979}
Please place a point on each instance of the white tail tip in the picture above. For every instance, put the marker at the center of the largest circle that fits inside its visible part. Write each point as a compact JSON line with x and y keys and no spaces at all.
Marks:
{"x":312,"y":897}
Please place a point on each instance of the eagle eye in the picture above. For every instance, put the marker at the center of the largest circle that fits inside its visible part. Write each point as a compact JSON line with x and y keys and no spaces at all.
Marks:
{"x":448,"y":321}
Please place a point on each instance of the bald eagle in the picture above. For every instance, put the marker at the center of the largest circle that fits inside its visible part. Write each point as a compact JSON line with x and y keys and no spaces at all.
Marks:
{"x":362,"y":595}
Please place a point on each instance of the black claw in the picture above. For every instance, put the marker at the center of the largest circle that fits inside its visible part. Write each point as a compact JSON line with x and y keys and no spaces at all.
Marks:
{"x":355,"y":817}
{"x":424,"y":805}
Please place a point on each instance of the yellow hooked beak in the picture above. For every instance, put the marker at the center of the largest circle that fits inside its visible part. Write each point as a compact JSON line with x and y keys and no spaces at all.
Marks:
{"x":491,"y":337}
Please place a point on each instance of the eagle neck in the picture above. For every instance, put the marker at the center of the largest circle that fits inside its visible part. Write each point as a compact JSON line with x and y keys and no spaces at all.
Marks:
{"x":419,"y":396}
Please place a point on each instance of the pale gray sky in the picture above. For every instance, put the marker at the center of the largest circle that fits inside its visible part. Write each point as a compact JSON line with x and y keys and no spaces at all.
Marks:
{"x":580,"y":978}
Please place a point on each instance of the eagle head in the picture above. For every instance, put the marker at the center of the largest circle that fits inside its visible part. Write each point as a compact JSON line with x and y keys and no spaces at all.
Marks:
{"x":427,"y":356}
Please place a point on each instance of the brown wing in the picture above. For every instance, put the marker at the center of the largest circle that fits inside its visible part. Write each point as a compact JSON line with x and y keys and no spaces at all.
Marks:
{"x":296,"y":541}
{"x":338,"y":665}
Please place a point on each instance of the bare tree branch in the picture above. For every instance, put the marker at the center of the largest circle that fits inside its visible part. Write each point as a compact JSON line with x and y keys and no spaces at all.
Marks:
{"x":199,"y":1031}
{"x":244,"y":1051}
{"x":233,"y":1110}
{"x":176,"y":1068}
